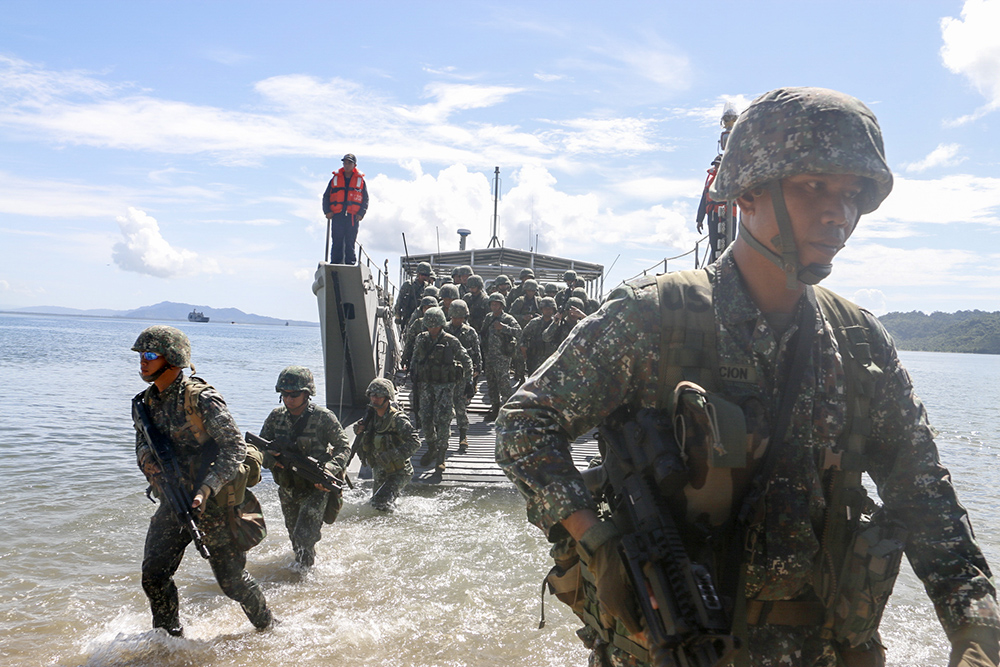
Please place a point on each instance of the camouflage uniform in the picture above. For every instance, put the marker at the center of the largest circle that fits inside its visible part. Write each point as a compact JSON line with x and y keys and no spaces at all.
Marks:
{"x":612,"y":359}
{"x":538,"y":349}
{"x":408,"y":300}
{"x":557,"y":331}
{"x":524,"y":308}
{"x":498,"y":349}
{"x":470,"y":341}
{"x":387,"y":445}
{"x":439,"y":364}
{"x":302,"y":504}
{"x":479,"y":309}
{"x":166,"y":539}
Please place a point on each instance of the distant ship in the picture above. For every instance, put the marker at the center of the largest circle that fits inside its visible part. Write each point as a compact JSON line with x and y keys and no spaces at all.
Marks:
{"x":195,"y":316}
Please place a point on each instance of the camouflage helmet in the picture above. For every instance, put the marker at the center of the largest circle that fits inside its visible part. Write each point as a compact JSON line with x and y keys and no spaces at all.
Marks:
{"x":458,"y":308}
{"x":530,"y":284}
{"x":296,"y":378}
{"x":448,"y":291}
{"x":569,"y":275}
{"x":474,"y":281}
{"x":574,"y":301}
{"x":526,"y":273}
{"x":580,"y":294}
{"x":381,"y":387}
{"x":465,"y":270}
{"x":434,"y":317}
{"x":551,"y":288}
{"x":430,"y":290}
{"x":424,"y":269}
{"x":428,"y":301}
{"x":168,"y":342}
{"x":547,"y":302}
{"x":792,"y":131}
{"x":499,"y":298}
{"x":501,"y":280}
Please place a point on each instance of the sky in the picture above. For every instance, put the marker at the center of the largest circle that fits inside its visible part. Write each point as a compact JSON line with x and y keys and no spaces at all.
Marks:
{"x":178,"y":151}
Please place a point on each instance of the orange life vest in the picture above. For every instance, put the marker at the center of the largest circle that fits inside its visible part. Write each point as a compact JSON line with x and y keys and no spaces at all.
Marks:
{"x":353,"y":192}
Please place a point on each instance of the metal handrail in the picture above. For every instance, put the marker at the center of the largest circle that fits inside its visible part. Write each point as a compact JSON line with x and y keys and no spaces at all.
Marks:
{"x":644,"y":272}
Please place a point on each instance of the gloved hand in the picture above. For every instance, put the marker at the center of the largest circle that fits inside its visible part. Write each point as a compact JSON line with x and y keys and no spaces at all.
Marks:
{"x":975,"y":646}
{"x":598,"y":549}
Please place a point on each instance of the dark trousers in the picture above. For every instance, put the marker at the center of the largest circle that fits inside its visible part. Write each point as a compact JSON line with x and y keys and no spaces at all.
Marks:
{"x":165,"y":544}
{"x":343,"y":235}
{"x":303,"y":511}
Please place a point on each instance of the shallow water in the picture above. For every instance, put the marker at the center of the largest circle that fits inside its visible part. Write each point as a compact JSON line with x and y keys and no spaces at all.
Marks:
{"x":452,"y":578}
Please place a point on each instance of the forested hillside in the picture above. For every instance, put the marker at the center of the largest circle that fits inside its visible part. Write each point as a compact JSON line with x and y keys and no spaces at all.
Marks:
{"x":973,"y":331}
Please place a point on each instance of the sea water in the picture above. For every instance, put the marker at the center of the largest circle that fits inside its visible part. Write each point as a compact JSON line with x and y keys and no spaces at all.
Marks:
{"x":451,"y":578}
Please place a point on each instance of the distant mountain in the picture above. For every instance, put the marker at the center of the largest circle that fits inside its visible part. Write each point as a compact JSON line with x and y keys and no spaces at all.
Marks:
{"x":167,"y":310}
{"x":974,"y":331}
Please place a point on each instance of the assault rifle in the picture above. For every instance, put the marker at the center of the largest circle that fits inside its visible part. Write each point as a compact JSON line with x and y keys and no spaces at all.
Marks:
{"x":366,"y":422}
{"x":306,"y":467}
{"x":642,"y":480}
{"x":170,"y":481}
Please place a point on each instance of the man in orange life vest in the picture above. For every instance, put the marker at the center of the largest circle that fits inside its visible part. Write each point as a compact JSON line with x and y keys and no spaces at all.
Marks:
{"x":344,"y":204}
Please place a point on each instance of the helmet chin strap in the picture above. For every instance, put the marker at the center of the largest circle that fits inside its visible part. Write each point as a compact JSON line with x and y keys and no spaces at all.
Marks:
{"x":152,"y":378}
{"x":788,"y":260}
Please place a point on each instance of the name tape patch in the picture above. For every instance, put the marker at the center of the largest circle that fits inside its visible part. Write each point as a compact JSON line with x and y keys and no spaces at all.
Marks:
{"x":738,"y":373}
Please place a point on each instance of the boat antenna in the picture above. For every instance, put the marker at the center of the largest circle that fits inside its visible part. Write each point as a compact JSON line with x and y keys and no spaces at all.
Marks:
{"x":494,"y":241}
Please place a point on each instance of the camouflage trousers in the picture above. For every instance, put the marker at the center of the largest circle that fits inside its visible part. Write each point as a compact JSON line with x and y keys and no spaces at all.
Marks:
{"x":770,"y":646}
{"x":303,"y":510}
{"x":387,"y":486}
{"x":497,"y":370}
{"x":437,"y":407}
{"x":166,"y":541}
{"x":461,"y":414}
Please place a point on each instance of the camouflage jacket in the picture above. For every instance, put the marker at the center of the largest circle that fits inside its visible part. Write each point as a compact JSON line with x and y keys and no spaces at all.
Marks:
{"x":414,"y":329}
{"x":536,"y":348}
{"x":408,"y":300}
{"x":322,"y":438}
{"x":470,"y":341}
{"x":479,"y":308}
{"x":166,"y":410}
{"x":524,"y":309}
{"x":389,"y":441}
{"x":612,"y":359}
{"x":494,"y":342}
{"x":441,"y":359}
{"x":557,"y":330}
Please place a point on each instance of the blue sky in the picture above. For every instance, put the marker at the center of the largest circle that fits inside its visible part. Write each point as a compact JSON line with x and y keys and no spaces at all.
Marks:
{"x":177,"y":151}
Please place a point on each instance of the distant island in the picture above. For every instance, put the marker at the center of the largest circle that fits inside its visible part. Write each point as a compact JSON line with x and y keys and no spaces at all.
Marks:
{"x":973,"y":331}
{"x":168,"y":310}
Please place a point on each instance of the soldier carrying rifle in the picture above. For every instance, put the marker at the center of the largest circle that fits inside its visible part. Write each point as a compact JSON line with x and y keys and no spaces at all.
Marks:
{"x":772,"y":396}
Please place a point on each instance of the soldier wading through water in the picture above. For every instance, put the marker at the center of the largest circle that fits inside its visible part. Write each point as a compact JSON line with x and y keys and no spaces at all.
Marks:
{"x":807,"y":393}
{"x":215,"y":469}
{"x":387,"y":443}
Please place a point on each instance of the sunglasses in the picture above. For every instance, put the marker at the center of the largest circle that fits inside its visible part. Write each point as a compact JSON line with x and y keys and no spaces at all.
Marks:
{"x":149,"y":356}
{"x":291,"y":394}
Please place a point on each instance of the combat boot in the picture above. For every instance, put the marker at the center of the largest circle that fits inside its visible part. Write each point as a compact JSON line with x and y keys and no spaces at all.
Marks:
{"x":428,"y":456}
{"x":440,"y":459}
{"x":463,"y":440}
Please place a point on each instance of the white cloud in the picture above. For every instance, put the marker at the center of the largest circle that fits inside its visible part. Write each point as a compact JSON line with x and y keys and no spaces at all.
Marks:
{"x":872,"y":299}
{"x":945,"y":155}
{"x":654,"y":59}
{"x":971,"y":48}
{"x":604,"y":135}
{"x":549,"y":78}
{"x":658,"y":189}
{"x":144,"y":250}
{"x":227,"y":56}
{"x":960,"y":198}
{"x":712,"y":114}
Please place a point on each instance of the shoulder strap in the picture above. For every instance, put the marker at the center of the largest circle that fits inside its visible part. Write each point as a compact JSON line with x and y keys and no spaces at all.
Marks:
{"x":193,"y":386}
{"x":687,"y":332}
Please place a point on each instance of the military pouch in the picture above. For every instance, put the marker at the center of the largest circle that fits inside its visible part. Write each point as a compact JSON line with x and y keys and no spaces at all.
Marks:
{"x":871,"y":565}
{"x":246,"y":523}
{"x":706,"y":420}
{"x":565,"y":581}
{"x":334,"y":503}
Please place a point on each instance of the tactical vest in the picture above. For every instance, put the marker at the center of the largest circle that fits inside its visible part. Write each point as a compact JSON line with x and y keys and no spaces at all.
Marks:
{"x":354,"y":192}
{"x":859,"y":560}
{"x":438,"y":364}
{"x":232,"y":493}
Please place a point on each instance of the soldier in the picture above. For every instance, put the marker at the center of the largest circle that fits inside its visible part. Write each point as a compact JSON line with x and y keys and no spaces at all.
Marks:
{"x":312,"y":430}
{"x":551,"y":289}
{"x":415,"y":328}
{"x":210,"y":443}
{"x":462,"y":279}
{"x":446,"y":295}
{"x":569,"y":277}
{"x":534,"y":348}
{"x":501,"y":285}
{"x":439,"y":363}
{"x":803,"y":164}
{"x":589,"y":305}
{"x":409,"y":294}
{"x":499,"y":335}
{"x":478,"y":302}
{"x":563,"y":322}
{"x":526,"y":274}
{"x":386,"y":445}
{"x":524,"y":309}
{"x":459,"y":312}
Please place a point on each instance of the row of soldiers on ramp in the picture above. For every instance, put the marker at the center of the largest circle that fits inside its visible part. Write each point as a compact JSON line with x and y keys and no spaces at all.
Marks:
{"x":215,"y":465}
{"x":512,"y":328}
